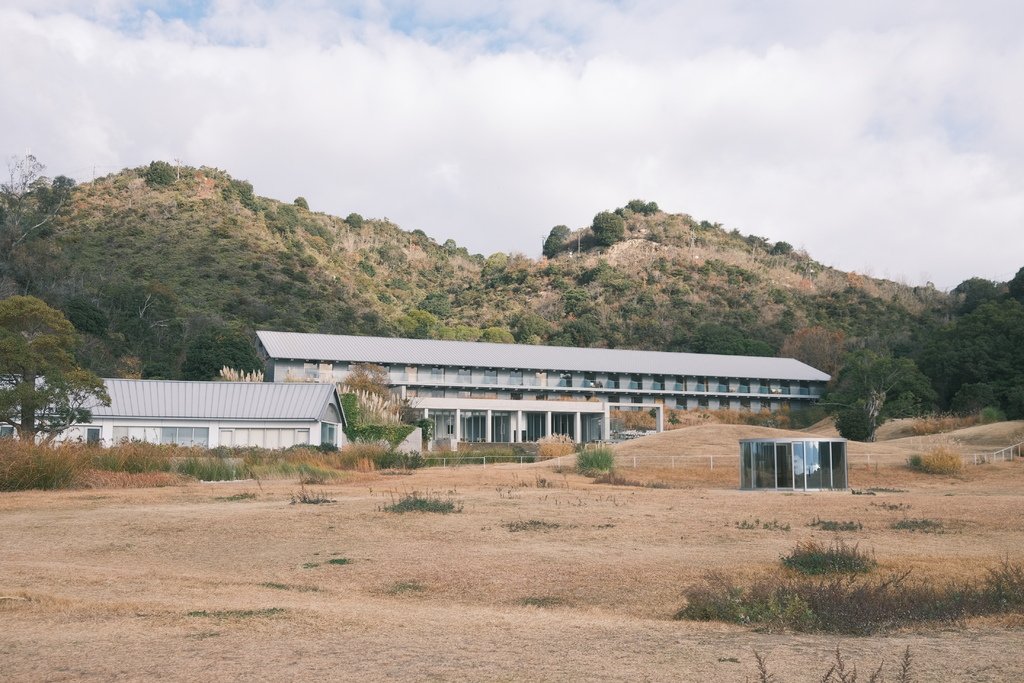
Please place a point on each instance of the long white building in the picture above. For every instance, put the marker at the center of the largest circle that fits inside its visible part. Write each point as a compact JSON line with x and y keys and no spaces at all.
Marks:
{"x":212,"y":414}
{"x":514,"y":392}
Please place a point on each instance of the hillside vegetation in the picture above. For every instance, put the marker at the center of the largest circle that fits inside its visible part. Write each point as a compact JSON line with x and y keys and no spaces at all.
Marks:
{"x":159,"y":267}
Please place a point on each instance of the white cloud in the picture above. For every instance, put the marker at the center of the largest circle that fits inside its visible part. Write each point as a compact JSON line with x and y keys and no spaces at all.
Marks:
{"x":877,"y":139}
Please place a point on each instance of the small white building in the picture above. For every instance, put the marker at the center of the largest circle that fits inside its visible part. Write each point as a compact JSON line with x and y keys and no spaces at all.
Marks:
{"x":211,"y":414}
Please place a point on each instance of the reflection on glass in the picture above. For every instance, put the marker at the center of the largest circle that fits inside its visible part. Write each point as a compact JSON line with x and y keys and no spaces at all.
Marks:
{"x":746,"y":465}
{"x":839,"y":465}
{"x":764,"y":466}
{"x":784,"y":458}
{"x":813,"y":460}
{"x":798,"y":465}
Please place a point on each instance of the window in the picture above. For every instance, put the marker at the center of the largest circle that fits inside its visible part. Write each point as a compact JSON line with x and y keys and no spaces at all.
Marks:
{"x":328,"y":434}
{"x":183,"y":436}
{"x":92,"y":436}
{"x":436,"y":375}
{"x":465,"y":376}
{"x":6,"y":432}
{"x":490,"y":376}
{"x":515,"y":378}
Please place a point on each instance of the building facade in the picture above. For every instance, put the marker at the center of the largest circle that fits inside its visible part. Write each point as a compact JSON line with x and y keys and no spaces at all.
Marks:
{"x":514,"y":392}
{"x":211,"y":414}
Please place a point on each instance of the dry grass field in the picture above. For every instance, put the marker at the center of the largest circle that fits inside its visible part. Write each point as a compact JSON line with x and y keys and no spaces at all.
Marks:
{"x":542,"y":575}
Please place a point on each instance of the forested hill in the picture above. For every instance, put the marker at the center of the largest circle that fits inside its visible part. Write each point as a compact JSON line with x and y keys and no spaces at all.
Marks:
{"x":149,"y":262}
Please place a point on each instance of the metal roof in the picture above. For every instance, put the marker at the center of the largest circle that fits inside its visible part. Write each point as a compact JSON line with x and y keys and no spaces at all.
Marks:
{"x":215,"y":400}
{"x":432,"y":352}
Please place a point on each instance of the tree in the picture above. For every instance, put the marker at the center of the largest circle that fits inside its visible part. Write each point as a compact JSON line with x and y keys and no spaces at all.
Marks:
{"x":816,"y":346}
{"x":556,"y":240}
{"x":872,"y":388}
{"x":608,"y":228}
{"x":975,"y":292}
{"x":301,"y":203}
{"x":497,"y":335}
{"x":1016,"y":286}
{"x":368,"y":378}
{"x":354,"y":220}
{"x":642,"y":207}
{"x":215,"y":348}
{"x":29,"y":202}
{"x":160,"y":173}
{"x":42,"y":389}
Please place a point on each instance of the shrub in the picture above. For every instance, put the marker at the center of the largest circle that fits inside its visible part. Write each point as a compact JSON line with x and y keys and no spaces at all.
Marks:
{"x":25,"y":466}
{"x":301,"y":203}
{"x":992,"y":414}
{"x":160,"y":173}
{"x":813,"y":558}
{"x":595,"y":460}
{"x":939,"y":460}
{"x":832,"y":525}
{"x":927,"y":526}
{"x":851,"y":604}
{"x":555,"y":446}
{"x":417,"y":502}
{"x":608,"y":228}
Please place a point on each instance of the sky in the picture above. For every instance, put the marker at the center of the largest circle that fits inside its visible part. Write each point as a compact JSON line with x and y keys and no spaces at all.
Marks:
{"x":881,"y":137}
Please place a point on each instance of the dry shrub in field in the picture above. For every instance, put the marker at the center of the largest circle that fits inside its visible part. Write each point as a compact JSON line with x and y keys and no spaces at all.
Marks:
{"x":942,"y":459}
{"x":636,"y":419}
{"x":25,"y":466}
{"x":940,"y":423}
{"x":555,"y":447}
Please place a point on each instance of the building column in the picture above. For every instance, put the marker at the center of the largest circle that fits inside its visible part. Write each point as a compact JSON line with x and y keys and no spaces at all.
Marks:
{"x":519,"y":426}
{"x":578,"y":432}
{"x":458,"y":425}
{"x":487,"y":428}
{"x":547,"y":423}
{"x":660,"y":413}
{"x":606,"y":424}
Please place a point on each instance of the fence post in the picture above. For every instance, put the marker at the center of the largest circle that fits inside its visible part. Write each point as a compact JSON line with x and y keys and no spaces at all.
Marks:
{"x":634,"y":462}
{"x":485,"y":460}
{"x":712,"y":459}
{"x":673,"y":462}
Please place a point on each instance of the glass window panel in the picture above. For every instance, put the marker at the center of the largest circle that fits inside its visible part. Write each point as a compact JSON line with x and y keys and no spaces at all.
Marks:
{"x":839,"y":465}
{"x":151,"y":434}
{"x":764,"y":466}
{"x":137,"y":433}
{"x":747,"y":464}
{"x":812,"y":460}
{"x":201,"y":436}
{"x":784,"y":465}
{"x":826,"y":465}
{"x":120,"y":434}
{"x":798,"y":465}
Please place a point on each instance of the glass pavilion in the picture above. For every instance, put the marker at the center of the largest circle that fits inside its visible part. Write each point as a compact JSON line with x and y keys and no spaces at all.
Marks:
{"x":798,"y":464}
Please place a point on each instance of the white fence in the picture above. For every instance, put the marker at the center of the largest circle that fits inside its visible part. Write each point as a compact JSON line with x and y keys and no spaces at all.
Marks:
{"x":680,"y":461}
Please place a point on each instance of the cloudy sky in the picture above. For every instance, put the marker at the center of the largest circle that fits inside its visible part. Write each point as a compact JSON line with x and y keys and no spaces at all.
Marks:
{"x":884,"y":137}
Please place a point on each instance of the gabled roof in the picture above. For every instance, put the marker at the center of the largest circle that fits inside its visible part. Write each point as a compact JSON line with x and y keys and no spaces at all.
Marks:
{"x":431,"y":352}
{"x":216,"y":400}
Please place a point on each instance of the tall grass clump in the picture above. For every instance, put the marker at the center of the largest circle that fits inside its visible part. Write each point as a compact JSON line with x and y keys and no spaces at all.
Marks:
{"x":595,"y":460}
{"x":942,"y":459}
{"x":555,"y":446}
{"x":420,"y":502}
{"x":944,"y":422}
{"x":838,"y":557}
{"x":25,"y":466}
{"x":854,"y":604}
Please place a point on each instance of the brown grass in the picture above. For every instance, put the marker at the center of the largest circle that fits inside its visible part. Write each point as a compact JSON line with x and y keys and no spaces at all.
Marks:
{"x":942,"y":459}
{"x":104,"y":580}
{"x":555,"y":446}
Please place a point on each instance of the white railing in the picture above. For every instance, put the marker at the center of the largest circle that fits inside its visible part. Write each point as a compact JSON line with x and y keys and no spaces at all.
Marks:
{"x":1003,"y":454}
